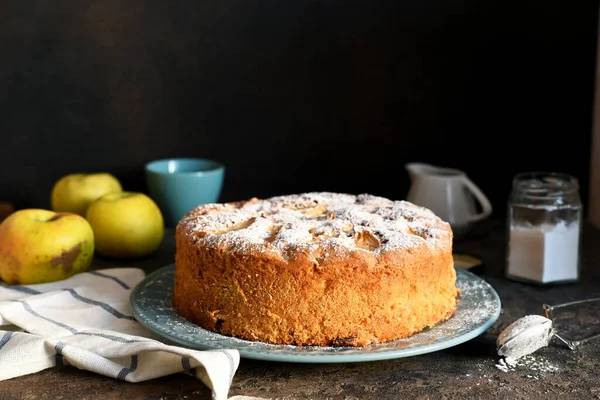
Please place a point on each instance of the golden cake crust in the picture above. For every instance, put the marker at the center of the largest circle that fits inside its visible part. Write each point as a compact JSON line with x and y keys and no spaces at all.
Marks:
{"x":315,"y":269}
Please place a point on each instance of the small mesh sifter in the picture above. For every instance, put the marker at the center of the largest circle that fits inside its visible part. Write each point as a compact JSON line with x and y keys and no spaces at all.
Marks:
{"x":573,"y":324}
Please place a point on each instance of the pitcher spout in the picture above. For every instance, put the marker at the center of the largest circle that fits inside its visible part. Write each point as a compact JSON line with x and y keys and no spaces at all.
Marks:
{"x":420,"y":169}
{"x":417,"y":168}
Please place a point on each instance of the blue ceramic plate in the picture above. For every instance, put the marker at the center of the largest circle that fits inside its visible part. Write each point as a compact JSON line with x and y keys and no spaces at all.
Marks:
{"x":478,"y":309}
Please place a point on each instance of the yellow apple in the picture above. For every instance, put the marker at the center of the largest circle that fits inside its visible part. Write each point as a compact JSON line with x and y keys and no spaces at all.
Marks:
{"x":126,"y":224}
{"x":74,"y":192}
{"x":39,"y":246}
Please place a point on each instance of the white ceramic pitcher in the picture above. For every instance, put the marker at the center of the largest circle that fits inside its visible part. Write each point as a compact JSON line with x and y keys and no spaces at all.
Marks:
{"x":449,"y":193}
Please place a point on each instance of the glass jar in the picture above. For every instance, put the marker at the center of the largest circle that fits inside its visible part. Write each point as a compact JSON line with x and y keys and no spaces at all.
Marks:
{"x":544,"y":228}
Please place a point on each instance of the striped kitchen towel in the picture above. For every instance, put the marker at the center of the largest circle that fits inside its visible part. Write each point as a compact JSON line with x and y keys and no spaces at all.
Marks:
{"x":86,"y":322}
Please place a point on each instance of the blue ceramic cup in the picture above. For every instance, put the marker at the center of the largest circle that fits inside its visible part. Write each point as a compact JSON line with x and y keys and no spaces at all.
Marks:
{"x":180,"y":184}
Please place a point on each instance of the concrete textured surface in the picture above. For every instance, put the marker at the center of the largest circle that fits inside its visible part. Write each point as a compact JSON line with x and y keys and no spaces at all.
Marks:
{"x":468,"y":370}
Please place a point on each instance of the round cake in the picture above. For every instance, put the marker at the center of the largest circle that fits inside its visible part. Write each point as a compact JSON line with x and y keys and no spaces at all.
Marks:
{"x":326,"y":269}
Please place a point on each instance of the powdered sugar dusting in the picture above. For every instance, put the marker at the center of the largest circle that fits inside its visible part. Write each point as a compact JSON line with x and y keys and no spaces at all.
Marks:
{"x":342,"y":221}
{"x":533,"y":365}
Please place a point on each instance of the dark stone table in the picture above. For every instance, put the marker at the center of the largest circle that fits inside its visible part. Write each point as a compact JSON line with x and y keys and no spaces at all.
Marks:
{"x":468,"y":370}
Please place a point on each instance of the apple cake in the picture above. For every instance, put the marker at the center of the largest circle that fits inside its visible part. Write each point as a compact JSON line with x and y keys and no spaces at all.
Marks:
{"x":326,"y":269}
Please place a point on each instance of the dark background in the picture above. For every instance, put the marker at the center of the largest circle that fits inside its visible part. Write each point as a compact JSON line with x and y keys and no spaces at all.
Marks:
{"x":295,"y":96}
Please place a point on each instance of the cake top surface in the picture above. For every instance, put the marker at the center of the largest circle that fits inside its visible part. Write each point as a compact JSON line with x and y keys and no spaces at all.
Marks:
{"x":339,"y":221}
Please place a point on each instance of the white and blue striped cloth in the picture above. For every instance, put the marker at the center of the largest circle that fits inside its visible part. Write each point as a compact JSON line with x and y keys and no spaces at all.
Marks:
{"x":86,"y":322}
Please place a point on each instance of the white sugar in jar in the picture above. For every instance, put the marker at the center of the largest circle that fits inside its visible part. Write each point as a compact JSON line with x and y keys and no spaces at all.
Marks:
{"x":544,"y":228}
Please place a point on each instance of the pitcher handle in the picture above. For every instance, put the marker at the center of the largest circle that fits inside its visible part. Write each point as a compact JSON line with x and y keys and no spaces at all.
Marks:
{"x":486,"y":206}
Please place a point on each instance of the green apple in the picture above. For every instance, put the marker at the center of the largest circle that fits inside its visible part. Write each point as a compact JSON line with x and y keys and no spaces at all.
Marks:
{"x":39,"y":246}
{"x":126,"y":224}
{"x":74,"y":192}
